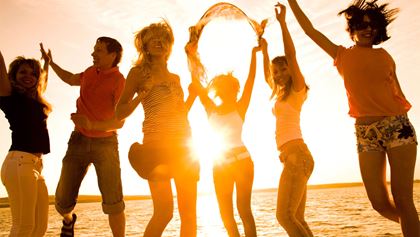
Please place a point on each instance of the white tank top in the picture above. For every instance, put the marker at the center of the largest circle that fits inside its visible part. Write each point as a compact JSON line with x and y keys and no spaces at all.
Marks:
{"x":287,"y":114}
{"x":229,"y":126}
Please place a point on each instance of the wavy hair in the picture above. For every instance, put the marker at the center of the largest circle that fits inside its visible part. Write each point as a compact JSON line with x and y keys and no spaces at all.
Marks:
{"x":36,"y":91}
{"x":380,"y":16}
{"x":224,"y":82}
{"x":162,"y":30}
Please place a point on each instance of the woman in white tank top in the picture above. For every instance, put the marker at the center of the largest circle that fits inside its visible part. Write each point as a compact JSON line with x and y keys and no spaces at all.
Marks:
{"x":235,"y":168}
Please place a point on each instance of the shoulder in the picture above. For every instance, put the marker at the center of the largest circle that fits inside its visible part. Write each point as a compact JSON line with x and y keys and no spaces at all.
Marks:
{"x":175,"y":77}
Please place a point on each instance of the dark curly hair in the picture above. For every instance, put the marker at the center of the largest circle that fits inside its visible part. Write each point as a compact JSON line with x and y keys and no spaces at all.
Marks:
{"x":379,"y":15}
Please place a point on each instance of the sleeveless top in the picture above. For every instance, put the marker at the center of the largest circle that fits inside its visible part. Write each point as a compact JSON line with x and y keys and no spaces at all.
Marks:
{"x":229,"y":126}
{"x":165,"y":115}
{"x":287,"y":114}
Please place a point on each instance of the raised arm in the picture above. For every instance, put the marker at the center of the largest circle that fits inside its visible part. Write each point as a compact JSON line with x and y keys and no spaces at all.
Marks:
{"x":289,"y":49}
{"x":195,"y":87}
{"x":266,"y":62}
{"x":66,"y":76}
{"x":46,"y":57}
{"x":5,"y":87}
{"x":321,"y":40}
{"x":243,"y":102}
{"x":127,"y":104}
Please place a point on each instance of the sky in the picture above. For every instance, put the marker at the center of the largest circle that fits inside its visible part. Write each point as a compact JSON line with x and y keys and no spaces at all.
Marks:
{"x":70,"y":28}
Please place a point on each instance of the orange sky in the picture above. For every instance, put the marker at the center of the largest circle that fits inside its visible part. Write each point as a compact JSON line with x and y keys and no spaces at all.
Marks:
{"x":69,"y":29}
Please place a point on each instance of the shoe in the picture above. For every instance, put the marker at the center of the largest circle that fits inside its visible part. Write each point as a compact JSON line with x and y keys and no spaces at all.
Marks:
{"x":67,"y":230}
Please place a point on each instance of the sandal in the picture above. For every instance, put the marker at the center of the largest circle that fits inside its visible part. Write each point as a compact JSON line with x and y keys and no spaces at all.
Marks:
{"x":67,"y":230}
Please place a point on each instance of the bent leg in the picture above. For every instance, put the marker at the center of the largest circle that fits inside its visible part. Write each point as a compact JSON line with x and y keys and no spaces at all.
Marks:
{"x":163,"y":208}
{"x":402,"y":160}
{"x":373,"y":171}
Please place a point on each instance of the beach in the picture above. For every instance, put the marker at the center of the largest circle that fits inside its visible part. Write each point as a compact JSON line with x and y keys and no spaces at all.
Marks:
{"x":344,"y":212}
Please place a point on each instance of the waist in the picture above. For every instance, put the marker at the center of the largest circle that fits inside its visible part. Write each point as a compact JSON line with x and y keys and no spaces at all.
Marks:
{"x":80,"y":135}
{"x":372,"y":119}
{"x":24,"y":156}
{"x":290,"y":144}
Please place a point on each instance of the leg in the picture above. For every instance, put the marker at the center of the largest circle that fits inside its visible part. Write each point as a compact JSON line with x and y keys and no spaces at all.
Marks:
{"x":373,"y":170}
{"x":402,"y":160}
{"x":163,"y":208}
{"x":117,"y":223}
{"x":9,"y":177}
{"x":244,"y":176}
{"x":186,"y":189}
{"x":41,"y":212}
{"x":300,"y":215}
{"x":223,"y":184}
{"x":291,"y":194}
{"x":105,"y":158}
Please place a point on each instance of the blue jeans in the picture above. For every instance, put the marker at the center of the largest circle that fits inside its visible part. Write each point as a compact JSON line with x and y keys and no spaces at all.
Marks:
{"x":103,"y":154}
{"x":291,"y":199}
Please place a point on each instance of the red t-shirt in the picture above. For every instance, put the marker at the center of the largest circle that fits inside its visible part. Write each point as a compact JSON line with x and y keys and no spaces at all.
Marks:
{"x":371,"y":82}
{"x":100,"y":92}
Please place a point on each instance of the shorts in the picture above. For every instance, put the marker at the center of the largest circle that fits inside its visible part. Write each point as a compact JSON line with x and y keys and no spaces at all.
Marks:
{"x":103,"y":154}
{"x":385,"y":134}
{"x":145,"y":158}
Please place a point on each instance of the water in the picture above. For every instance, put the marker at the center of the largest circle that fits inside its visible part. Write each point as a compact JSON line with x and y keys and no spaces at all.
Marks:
{"x":330,"y":212}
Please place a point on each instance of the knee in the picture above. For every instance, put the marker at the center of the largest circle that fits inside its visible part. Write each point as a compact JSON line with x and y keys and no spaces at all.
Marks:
{"x":284,"y":217}
{"x":381,"y":206}
{"x":245,"y":212}
{"x":164,"y":216}
{"x":403,"y":202}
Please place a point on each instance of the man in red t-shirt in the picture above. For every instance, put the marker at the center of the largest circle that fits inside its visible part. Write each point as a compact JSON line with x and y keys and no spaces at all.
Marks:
{"x":94,"y":139}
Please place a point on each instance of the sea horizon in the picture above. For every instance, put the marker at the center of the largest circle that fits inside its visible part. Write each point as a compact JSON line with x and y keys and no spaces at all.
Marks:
{"x":89,"y":198}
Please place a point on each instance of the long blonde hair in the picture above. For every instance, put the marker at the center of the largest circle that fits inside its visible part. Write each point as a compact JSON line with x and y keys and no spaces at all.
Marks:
{"x":38,"y":90}
{"x":142,"y":37}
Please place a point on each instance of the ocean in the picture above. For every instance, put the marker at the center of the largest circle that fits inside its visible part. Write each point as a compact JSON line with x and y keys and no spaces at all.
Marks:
{"x":330,"y":212}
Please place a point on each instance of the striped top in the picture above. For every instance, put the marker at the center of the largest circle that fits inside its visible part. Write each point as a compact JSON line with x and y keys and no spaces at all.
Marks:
{"x":165,"y":114}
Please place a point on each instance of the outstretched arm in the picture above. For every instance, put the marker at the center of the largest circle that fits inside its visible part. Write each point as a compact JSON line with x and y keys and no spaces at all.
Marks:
{"x":5,"y":87}
{"x":321,"y":40}
{"x":66,"y":76}
{"x":127,"y":104}
{"x":243,"y":102}
{"x":289,"y":49}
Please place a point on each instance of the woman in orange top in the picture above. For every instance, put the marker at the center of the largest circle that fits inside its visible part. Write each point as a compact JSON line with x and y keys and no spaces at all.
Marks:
{"x":379,"y":106}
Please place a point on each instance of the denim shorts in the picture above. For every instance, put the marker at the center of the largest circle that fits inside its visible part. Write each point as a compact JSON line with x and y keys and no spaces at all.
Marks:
{"x":385,"y":134}
{"x":103,"y":154}
{"x":297,"y":159}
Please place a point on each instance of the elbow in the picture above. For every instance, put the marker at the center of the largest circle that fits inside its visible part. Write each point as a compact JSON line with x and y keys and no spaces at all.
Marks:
{"x":120,"y":123}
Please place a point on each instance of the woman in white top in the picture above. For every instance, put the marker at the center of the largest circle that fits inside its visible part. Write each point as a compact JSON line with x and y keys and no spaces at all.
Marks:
{"x":289,"y":89}
{"x":235,"y":168}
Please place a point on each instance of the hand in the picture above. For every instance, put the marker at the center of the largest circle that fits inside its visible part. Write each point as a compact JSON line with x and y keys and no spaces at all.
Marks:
{"x":280,"y":10}
{"x":262,"y":43}
{"x":82,"y":121}
{"x":192,"y":45}
{"x":46,"y":56}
